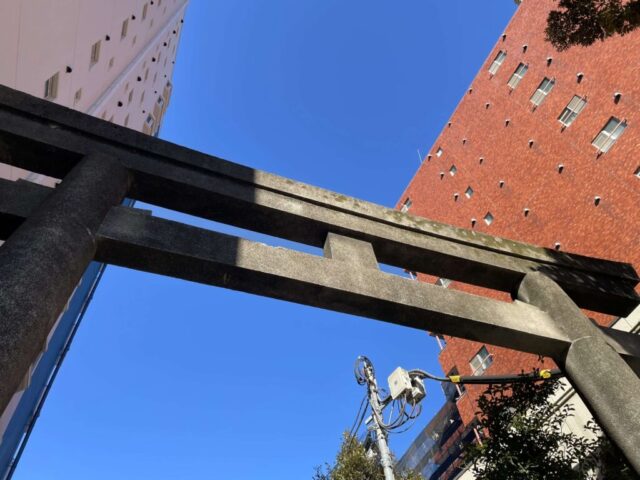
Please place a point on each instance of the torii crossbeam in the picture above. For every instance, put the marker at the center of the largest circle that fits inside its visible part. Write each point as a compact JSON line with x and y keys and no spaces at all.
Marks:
{"x":52,"y":235}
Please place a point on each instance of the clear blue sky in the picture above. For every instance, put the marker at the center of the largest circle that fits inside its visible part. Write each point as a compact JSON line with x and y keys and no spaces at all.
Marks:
{"x":173,"y":380}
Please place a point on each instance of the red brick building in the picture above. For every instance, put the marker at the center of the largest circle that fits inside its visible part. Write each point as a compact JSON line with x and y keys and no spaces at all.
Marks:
{"x":542,"y":148}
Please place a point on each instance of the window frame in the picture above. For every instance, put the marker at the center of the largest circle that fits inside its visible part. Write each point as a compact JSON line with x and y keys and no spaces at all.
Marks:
{"x":517,"y":75}
{"x":51,"y":86}
{"x":570,"y":113}
{"x":124,"y":29}
{"x":95,"y":53}
{"x":406,"y":205}
{"x":541,"y":92}
{"x":604,"y":140}
{"x":497,"y":62}
{"x":479,"y":363}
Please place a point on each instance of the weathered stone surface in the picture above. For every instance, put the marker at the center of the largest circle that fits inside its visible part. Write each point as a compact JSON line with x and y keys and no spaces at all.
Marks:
{"x":608,"y":386}
{"x":50,"y":139}
{"x":43,"y":260}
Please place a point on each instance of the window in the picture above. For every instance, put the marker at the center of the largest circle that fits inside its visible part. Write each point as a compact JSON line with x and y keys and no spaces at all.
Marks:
{"x":609,"y":134}
{"x":130,"y":97}
{"x":78,"y":96}
{"x":495,"y":66}
{"x":125,"y":28}
{"x":439,"y":152}
{"x":517,"y":75}
{"x":481,"y":361}
{"x":95,"y":53}
{"x":543,"y":90}
{"x":468,"y":192}
{"x":146,"y":74}
{"x":406,"y":205}
{"x":126,"y":121}
{"x":51,"y":87}
{"x":148,"y":125}
{"x":637,"y":172}
{"x":488,"y":218}
{"x":443,"y":282}
{"x":453,"y":391}
{"x":441,"y":341}
{"x":572,"y":110}
{"x":142,"y":97}
{"x":453,"y":170}
{"x":144,"y":11}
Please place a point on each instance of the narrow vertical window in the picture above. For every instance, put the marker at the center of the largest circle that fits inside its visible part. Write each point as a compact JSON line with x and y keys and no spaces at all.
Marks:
{"x":78,"y":96}
{"x":517,"y":75}
{"x":609,"y":134}
{"x":406,"y":205}
{"x":144,"y":10}
{"x":51,"y":87}
{"x":572,"y":110}
{"x":95,"y":53}
{"x":543,"y":90}
{"x":148,"y":125}
{"x":497,"y":62}
{"x":125,"y":28}
{"x":481,"y":361}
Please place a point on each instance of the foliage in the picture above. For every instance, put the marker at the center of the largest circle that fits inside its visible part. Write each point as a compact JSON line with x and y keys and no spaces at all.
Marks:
{"x":525,"y":439}
{"x":583,"y":22}
{"x":353,"y":463}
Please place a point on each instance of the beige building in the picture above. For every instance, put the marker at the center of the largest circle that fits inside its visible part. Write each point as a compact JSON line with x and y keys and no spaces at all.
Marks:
{"x":112,"y":59}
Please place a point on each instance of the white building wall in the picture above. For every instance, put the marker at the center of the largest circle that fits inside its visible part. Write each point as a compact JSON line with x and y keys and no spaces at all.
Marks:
{"x":39,"y":38}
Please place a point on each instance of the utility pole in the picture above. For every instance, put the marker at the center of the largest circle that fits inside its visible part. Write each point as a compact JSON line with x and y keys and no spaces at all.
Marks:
{"x":381,"y":434}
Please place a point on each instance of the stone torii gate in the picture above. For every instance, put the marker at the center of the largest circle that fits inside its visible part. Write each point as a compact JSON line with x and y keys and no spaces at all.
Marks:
{"x":52,"y":235}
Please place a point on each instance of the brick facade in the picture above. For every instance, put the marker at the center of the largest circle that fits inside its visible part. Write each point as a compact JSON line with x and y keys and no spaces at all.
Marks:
{"x":510,"y":153}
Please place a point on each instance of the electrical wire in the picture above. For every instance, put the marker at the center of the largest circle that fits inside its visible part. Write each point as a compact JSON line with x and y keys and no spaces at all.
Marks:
{"x":491,"y":379}
{"x":359,"y":416}
{"x":406,"y":418}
